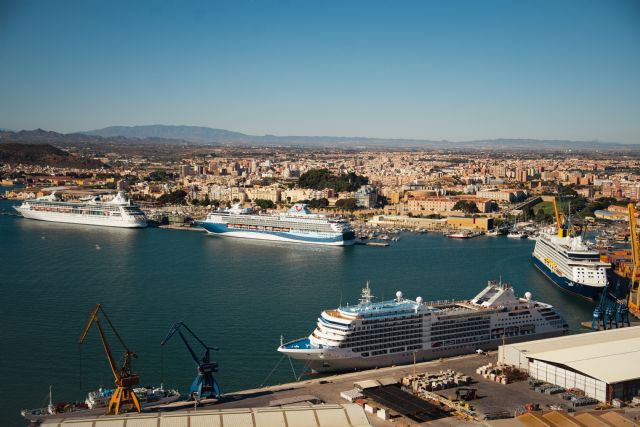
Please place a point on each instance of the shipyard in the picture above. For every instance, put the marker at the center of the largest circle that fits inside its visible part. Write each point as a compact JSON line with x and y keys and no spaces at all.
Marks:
{"x":319,"y":214}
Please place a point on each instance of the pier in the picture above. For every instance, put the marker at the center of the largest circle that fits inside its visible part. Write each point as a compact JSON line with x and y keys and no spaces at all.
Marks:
{"x":494,"y":399}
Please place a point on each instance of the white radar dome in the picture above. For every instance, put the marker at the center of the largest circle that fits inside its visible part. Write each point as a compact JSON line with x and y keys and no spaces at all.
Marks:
{"x":419,"y":300}
{"x":528,"y":296}
{"x":399,"y":295}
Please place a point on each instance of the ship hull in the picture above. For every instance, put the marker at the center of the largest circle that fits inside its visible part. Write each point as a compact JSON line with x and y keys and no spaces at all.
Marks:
{"x":80,"y":219}
{"x":591,"y":293}
{"x":323,"y":362}
{"x":221,"y":229}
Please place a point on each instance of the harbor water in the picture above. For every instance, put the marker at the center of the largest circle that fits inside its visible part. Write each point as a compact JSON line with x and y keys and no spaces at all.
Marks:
{"x":240,"y":296}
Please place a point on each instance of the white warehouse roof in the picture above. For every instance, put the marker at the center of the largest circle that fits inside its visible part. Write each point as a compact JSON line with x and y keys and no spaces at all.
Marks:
{"x":345,"y":415}
{"x":611,"y":356}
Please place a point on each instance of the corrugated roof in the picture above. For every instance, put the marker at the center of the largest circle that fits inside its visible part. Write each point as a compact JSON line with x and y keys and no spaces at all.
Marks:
{"x":616,"y":419}
{"x":343,"y":415}
{"x":610,"y":335}
{"x":606,"y":361}
{"x":562,"y":419}
{"x":590,"y":420}
{"x":610,"y":356}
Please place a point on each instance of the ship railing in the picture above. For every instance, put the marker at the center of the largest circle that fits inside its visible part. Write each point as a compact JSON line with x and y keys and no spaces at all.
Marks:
{"x":439,"y":302}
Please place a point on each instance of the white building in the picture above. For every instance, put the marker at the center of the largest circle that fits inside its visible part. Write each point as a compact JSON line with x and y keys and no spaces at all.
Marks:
{"x":602,"y":364}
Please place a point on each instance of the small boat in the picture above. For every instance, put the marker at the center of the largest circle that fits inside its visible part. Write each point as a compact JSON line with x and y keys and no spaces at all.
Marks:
{"x":516,"y":235}
{"x":464,"y":234}
{"x":96,"y":403}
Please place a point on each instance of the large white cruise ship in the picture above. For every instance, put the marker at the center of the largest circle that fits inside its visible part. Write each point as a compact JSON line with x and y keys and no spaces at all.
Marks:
{"x":298,"y":225}
{"x":570,"y":264}
{"x":369,"y":335}
{"x":118,"y":212}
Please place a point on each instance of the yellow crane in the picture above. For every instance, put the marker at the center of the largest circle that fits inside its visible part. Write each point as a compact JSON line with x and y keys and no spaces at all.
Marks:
{"x":634,"y":303}
{"x":125,"y":379}
{"x":562,"y":232}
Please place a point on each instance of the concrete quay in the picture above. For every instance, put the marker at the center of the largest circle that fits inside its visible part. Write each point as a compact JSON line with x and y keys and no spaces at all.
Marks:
{"x":492,"y":396}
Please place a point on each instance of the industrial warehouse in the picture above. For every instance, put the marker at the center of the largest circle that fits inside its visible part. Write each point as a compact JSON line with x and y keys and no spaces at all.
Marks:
{"x":604,"y":365}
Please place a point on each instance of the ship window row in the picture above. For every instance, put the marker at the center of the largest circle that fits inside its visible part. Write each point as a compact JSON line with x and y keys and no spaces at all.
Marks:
{"x":391,"y":319}
{"x":383,"y":337}
{"x":464,"y":321}
{"x":441,"y":326}
{"x":288,"y":224}
{"x":379,"y":326}
{"x":380,"y":340}
{"x":73,"y":205}
{"x":384,"y":346}
{"x":453,"y":336}
{"x":456,"y":330}
{"x":389,"y":328}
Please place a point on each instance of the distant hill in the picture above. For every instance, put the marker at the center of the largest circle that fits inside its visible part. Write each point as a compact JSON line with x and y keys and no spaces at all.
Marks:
{"x":43,"y":154}
{"x":195,"y":134}
{"x":40,"y":136}
{"x":200,"y":135}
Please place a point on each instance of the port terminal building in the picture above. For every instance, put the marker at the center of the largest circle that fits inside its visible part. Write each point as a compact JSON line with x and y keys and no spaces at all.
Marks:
{"x":604,"y":365}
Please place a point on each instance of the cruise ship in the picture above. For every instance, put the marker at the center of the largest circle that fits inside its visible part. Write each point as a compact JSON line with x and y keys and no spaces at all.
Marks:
{"x":118,"y":212}
{"x":570,"y":264}
{"x":376,"y":334}
{"x":298,"y":225}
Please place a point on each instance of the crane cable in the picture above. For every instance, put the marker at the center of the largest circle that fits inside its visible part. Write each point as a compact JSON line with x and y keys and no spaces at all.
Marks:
{"x":80,"y":370}
{"x":270,"y":373}
{"x":161,"y":364}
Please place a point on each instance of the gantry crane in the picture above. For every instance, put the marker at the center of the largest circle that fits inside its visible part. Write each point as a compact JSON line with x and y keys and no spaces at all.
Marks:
{"x":634,"y":296}
{"x":204,"y":385}
{"x":125,"y":379}
{"x":562,"y":231}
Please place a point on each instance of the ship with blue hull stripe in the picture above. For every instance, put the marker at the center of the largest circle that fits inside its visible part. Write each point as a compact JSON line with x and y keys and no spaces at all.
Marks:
{"x":570,"y":264}
{"x":298,"y":225}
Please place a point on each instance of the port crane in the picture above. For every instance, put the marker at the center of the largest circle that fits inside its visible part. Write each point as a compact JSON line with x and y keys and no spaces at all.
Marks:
{"x":125,"y":379}
{"x":562,"y":232}
{"x":634,"y":295}
{"x":204,"y":386}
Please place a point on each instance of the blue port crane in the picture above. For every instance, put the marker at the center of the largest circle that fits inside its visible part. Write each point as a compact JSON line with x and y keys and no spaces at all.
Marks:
{"x":204,"y":386}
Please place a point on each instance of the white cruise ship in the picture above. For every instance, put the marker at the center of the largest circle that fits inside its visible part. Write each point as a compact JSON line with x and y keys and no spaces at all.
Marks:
{"x":118,"y":212}
{"x":298,"y":225}
{"x":570,"y":264}
{"x":369,"y":335}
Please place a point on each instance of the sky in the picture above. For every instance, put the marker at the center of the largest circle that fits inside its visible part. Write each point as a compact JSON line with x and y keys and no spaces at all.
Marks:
{"x":454,"y":69}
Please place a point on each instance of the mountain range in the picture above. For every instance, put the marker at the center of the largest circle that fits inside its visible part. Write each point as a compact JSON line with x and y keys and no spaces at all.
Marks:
{"x":206,"y":135}
{"x":198,"y":135}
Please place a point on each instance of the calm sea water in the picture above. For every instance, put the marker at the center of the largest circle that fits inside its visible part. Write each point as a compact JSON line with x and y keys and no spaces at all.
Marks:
{"x":240,"y":296}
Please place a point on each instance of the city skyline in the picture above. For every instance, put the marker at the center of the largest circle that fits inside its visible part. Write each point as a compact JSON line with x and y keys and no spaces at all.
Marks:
{"x":456,"y":70}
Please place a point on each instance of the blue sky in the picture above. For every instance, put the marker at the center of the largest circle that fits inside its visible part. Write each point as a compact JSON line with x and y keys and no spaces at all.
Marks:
{"x":456,"y":69}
